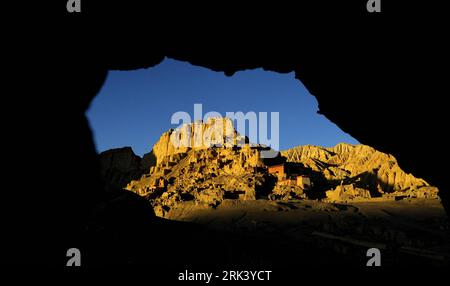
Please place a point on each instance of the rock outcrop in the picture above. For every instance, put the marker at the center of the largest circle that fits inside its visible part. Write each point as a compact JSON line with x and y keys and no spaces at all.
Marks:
{"x":119,"y":166}
{"x":206,"y":163}
{"x":204,"y":176}
{"x":345,"y":193}
{"x":216,"y":131}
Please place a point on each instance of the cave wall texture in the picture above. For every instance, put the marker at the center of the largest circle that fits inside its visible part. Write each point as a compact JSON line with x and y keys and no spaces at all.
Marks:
{"x":377,"y":76}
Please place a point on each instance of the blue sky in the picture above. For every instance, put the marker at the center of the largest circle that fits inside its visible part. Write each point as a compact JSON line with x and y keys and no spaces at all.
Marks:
{"x":134,"y":108}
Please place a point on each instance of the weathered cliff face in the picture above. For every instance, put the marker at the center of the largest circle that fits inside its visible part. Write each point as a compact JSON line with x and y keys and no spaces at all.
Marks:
{"x":205,"y":166}
{"x":201,"y":162}
{"x":396,"y":72}
{"x":361,"y":166}
{"x":120,"y":166}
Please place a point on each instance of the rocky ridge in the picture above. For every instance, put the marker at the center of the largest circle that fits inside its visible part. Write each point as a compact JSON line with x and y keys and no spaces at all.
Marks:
{"x":356,"y":169}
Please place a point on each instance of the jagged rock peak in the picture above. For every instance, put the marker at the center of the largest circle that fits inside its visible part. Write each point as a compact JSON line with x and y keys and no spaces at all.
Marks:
{"x":346,"y":162}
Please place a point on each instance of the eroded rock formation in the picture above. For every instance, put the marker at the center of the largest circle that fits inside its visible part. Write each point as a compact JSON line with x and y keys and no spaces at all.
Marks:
{"x":207,"y":168}
{"x":381,"y":86}
{"x":350,"y":170}
{"x":216,"y":131}
{"x":119,"y":166}
{"x":205,"y":163}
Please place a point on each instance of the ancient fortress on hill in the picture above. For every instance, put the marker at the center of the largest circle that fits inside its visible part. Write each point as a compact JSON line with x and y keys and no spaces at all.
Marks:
{"x":207,"y":169}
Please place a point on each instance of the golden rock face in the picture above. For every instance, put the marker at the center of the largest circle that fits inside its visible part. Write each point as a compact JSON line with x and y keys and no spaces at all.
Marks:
{"x":214,"y":164}
{"x":207,"y":171}
{"x":205,"y":176}
{"x":356,"y":168}
{"x":197,"y":135}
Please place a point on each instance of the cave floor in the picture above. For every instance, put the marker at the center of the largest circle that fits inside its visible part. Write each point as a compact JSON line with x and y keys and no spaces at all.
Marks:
{"x":407,"y":232}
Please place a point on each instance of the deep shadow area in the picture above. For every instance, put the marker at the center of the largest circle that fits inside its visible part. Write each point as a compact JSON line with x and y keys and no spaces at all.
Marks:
{"x":381,"y":86}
